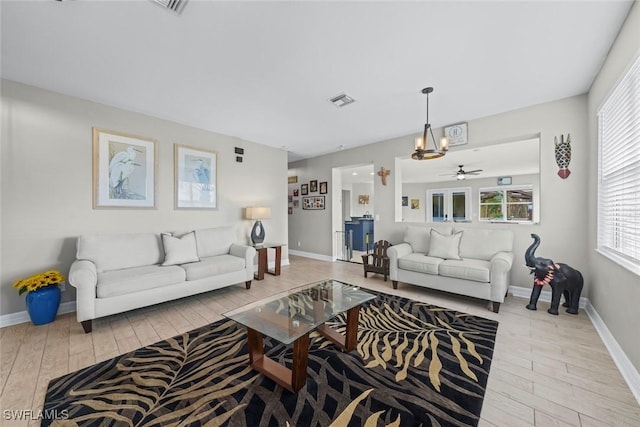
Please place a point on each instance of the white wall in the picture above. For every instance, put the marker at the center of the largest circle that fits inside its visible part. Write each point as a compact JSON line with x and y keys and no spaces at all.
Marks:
{"x":564,"y":202}
{"x":47,"y":183}
{"x":615,"y":291}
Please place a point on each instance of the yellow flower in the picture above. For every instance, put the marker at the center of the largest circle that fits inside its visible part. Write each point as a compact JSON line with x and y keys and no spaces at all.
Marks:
{"x":37,"y":281}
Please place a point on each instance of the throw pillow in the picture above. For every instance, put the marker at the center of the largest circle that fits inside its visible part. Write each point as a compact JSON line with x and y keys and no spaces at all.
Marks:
{"x":179,"y":250}
{"x":446,"y":247}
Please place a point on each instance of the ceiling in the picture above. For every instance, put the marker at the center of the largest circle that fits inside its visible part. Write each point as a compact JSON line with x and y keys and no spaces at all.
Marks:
{"x":264,"y":71}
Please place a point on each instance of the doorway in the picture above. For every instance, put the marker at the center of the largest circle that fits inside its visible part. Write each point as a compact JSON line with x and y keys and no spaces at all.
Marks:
{"x":353,"y":213}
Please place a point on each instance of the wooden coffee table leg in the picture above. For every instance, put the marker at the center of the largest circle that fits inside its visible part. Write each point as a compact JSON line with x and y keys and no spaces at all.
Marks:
{"x":300,"y":362}
{"x":291,"y":379}
{"x":351,"y":336}
{"x":349,"y":340}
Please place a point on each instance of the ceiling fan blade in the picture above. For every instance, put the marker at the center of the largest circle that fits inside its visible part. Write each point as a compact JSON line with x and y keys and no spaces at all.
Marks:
{"x":473,"y":171}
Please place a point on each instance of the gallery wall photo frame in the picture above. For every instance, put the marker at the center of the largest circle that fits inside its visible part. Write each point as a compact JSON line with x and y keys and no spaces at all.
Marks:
{"x":195,"y":172}
{"x":124,"y":171}
{"x":304,"y":189}
{"x":313,"y":186}
{"x":323,"y":187}
{"x":313,"y":203}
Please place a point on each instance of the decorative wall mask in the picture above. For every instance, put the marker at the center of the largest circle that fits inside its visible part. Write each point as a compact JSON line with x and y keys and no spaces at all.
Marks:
{"x":563,"y":155}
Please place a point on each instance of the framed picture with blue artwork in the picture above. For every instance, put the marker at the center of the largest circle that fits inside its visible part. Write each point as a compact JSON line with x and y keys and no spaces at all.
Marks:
{"x":195,"y":173}
{"x":124,"y":170}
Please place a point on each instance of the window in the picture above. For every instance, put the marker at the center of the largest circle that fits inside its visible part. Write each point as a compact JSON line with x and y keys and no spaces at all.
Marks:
{"x":619,"y":172}
{"x":449,"y":204}
{"x":510,"y":204}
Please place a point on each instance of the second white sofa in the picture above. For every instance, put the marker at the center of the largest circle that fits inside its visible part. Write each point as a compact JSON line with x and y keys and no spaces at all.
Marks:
{"x":470,"y":261}
{"x":120,"y":272}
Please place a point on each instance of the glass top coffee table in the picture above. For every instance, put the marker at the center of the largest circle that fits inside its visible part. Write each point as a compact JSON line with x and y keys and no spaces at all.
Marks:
{"x":290,"y":316}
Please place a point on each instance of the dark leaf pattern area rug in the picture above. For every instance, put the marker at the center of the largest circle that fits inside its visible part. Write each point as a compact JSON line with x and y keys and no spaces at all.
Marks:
{"x":415,"y":365}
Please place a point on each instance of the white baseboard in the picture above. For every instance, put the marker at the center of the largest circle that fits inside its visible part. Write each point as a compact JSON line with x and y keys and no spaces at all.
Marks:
{"x":312,"y":255}
{"x":626,"y":368}
{"x":23,"y":316}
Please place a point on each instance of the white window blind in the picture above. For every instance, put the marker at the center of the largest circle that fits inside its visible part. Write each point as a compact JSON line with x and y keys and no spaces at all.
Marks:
{"x":619,"y":172}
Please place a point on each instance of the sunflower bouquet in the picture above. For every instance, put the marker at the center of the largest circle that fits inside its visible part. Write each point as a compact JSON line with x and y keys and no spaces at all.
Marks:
{"x":48,"y":278}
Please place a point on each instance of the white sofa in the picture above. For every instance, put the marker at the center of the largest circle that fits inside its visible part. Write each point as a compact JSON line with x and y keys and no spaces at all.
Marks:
{"x":470,"y":261}
{"x":120,"y":272}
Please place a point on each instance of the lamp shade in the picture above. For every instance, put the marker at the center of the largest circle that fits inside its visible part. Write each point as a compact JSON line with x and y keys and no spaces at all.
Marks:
{"x":258,"y":213}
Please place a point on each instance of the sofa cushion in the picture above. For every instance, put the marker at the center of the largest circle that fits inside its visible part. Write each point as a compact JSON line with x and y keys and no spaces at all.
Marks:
{"x":214,"y":241}
{"x":130,"y":280}
{"x":484,"y":244}
{"x":214,"y":266}
{"x":118,"y":251}
{"x":179,"y":250}
{"x":470,"y":269}
{"x":419,"y":263}
{"x":446,"y":247}
{"x":419,"y":236}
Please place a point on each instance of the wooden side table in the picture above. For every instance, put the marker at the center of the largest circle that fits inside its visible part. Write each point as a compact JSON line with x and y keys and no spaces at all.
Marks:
{"x":263,"y":259}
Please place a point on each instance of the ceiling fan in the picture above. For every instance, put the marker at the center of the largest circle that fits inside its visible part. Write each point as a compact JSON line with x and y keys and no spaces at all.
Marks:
{"x":461,"y":173}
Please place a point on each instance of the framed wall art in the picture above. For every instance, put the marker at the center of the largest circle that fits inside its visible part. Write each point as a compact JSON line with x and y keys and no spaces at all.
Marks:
{"x":295,"y":192}
{"x":195,"y":173}
{"x":457,"y":134}
{"x":313,"y":203}
{"x":304,"y":189}
{"x":313,"y":186}
{"x":124,"y":170}
{"x":323,"y":187}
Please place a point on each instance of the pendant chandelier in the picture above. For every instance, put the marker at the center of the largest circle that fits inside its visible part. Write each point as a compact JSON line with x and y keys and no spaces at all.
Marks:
{"x":421,"y":143}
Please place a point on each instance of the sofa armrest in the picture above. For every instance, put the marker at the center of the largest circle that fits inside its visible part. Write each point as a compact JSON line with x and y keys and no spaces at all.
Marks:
{"x":246,"y":252}
{"x":84,"y":277}
{"x":500,"y":273}
{"x":396,"y":252}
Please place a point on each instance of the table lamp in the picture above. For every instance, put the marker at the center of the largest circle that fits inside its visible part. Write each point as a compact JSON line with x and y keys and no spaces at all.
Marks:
{"x":257,"y":232}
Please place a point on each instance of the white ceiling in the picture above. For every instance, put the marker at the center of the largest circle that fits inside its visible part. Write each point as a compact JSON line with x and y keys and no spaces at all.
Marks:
{"x":263,"y":71}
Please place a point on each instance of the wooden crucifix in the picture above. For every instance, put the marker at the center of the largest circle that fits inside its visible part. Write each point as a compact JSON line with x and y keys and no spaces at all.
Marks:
{"x":384,"y":173}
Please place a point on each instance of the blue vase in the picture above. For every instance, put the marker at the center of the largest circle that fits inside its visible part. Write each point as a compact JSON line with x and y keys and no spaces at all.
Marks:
{"x":43,"y":303}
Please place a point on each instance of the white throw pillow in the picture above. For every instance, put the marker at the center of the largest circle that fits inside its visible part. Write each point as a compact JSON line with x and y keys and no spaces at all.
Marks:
{"x":445,"y":247}
{"x":180,"y":250}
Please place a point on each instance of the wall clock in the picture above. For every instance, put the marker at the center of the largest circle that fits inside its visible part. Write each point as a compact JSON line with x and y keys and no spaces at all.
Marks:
{"x":457,"y":134}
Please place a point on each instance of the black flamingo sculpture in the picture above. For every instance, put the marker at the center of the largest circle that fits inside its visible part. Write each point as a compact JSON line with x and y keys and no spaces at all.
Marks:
{"x":562,"y":279}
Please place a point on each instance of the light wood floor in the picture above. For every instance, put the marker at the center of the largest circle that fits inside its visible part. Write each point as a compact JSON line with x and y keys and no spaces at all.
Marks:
{"x":546,"y":371}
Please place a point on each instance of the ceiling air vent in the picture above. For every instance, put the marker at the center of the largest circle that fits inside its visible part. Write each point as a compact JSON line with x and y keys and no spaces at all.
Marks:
{"x":342,"y":100}
{"x":173,"y":5}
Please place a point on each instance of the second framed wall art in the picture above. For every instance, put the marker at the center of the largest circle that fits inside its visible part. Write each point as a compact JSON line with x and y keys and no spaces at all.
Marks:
{"x":195,"y":176}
